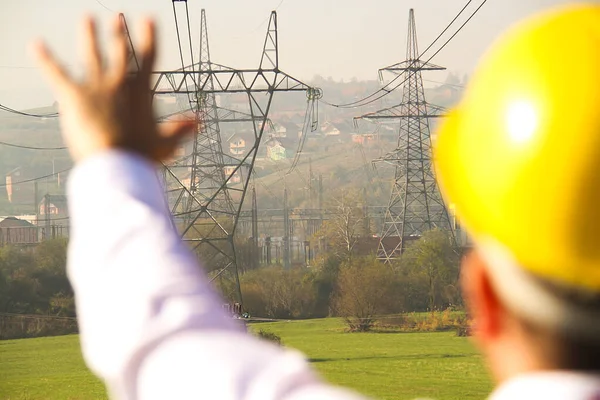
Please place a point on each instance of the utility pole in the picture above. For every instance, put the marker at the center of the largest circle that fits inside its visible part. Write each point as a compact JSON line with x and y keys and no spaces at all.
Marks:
{"x":320,"y":200}
{"x":255,"y":259}
{"x":311,"y":197}
{"x":286,"y":230}
{"x":415,"y":204}
{"x":320,"y":191}
{"x":36,"y":201}
{"x":47,"y":217}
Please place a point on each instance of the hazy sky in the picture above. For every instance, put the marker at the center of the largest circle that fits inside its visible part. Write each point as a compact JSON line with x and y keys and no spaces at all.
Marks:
{"x":338,"y":38}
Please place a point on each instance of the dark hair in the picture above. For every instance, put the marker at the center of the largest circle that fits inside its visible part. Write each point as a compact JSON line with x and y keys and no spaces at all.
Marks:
{"x":570,"y":351}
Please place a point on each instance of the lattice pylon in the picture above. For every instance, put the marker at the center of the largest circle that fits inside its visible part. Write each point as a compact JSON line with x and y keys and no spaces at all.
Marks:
{"x":415,"y":204}
{"x":206,"y":189}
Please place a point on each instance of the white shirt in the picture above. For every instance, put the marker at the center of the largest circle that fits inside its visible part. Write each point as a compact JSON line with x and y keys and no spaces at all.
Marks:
{"x":151,"y":326}
{"x":559,"y":385}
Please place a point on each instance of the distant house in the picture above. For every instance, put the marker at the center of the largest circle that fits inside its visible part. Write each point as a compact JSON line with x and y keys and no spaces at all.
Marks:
{"x":329,"y":129}
{"x":235,"y":178}
{"x":237,"y":147}
{"x":275,"y":150}
{"x":364,"y":138}
{"x":240,"y":143}
{"x":53,"y":204}
{"x":15,"y":231}
{"x":279,"y":131}
{"x":53,"y":210}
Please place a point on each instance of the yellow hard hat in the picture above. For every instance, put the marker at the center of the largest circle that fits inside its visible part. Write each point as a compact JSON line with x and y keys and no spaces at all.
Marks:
{"x":520,"y":156}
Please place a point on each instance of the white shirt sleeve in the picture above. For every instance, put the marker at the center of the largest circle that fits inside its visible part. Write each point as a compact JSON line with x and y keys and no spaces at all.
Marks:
{"x":151,"y":326}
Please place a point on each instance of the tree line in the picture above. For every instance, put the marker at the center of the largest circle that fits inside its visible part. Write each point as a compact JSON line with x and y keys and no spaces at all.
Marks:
{"x":33,"y":282}
{"x":359,"y":288}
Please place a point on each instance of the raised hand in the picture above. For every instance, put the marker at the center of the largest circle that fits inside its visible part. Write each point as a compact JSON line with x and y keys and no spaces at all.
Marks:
{"x":111,"y":108}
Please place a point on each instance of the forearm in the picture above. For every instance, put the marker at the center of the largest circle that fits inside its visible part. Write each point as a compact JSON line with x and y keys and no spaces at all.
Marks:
{"x":135,"y":282}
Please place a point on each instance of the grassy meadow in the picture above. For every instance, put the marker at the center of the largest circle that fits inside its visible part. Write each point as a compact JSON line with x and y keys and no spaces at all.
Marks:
{"x":381,"y":365}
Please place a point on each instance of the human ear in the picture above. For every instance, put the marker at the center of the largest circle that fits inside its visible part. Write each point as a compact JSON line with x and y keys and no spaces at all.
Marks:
{"x":480,"y":297}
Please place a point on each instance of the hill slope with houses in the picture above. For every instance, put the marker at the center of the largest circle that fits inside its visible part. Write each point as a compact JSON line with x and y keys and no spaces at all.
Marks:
{"x":338,"y":151}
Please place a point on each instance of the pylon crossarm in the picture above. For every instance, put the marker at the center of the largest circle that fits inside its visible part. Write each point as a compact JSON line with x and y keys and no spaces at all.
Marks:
{"x":411,"y":65}
{"x":400,"y":111}
{"x":224,"y":81}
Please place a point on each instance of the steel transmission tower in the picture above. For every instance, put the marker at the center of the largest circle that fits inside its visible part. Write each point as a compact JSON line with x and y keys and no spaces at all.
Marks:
{"x":207,"y":178}
{"x":207,"y":188}
{"x":415,"y":204}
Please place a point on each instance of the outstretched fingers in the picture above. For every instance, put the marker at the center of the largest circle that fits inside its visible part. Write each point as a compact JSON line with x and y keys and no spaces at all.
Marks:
{"x":119,"y":50}
{"x":51,"y":68}
{"x":148,"y":49}
{"x":91,"y":50}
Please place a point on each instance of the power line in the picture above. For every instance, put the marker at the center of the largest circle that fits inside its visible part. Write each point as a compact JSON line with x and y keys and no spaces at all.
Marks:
{"x":13,"y":111}
{"x":267,"y":19}
{"x":31,"y":147}
{"x":35,"y":179}
{"x":445,"y":83}
{"x":386,"y":89}
{"x":106,"y":8}
{"x":421,"y":55}
{"x":434,"y":54}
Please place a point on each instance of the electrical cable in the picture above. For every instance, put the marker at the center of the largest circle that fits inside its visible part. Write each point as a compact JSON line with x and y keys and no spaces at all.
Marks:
{"x":19,"y":146}
{"x":385,"y":89}
{"x":183,"y":67}
{"x":39,"y":178}
{"x":266,"y":19}
{"x":421,"y":55}
{"x":445,"y":83}
{"x":434,"y":54}
{"x":13,"y":111}
{"x":106,"y":8}
{"x":307,"y":118}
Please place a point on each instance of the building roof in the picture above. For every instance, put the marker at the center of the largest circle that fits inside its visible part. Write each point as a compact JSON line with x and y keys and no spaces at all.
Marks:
{"x":272,"y":141}
{"x":246,"y":135}
{"x":12,"y":171}
{"x":14,"y":222}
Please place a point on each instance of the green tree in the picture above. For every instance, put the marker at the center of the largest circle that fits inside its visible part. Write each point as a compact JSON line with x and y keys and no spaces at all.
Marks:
{"x":325,"y":280}
{"x":348,"y":224}
{"x":365,"y":289}
{"x":50,"y":258}
{"x":434,"y":259}
{"x":17,"y":267}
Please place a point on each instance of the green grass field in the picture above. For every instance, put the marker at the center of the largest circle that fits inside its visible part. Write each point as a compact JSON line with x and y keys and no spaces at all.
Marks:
{"x":382,"y":365}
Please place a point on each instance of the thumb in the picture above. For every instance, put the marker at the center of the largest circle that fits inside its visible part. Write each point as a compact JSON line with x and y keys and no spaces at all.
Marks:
{"x":174,"y":131}
{"x":170,"y":135}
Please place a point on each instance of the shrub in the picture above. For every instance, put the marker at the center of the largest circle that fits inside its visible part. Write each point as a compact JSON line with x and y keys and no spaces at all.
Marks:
{"x":270,"y":336}
{"x":447,"y":320}
{"x":365,"y":288}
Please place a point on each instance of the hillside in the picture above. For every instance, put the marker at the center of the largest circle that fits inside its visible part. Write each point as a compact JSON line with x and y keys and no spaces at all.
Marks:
{"x":331,"y":152}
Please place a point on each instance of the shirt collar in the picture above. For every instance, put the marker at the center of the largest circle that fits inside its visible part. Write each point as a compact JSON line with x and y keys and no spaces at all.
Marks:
{"x":550,"y":386}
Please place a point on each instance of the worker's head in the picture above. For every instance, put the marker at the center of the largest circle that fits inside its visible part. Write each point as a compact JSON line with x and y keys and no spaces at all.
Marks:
{"x":520,"y":160}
